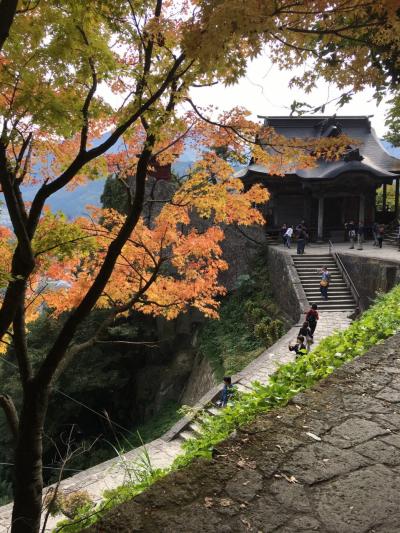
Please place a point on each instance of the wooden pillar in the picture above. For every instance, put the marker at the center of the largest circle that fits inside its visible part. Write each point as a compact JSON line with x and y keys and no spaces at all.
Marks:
{"x":307,"y":206}
{"x":396,"y":198}
{"x":361,"y":210}
{"x":384,"y":194}
{"x":320,"y":218}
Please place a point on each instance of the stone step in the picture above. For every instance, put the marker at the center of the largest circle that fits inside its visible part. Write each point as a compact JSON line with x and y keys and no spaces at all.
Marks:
{"x":187,"y":435}
{"x":241,"y":388}
{"x":317,"y":276}
{"x":193,"y":426}
{"x":348,"y":308}
{"x":316,"y":280}
{"x":334,"y":301}
{"x":214,"y":411}
{"x":314,"y":286}
{"x":337,"y":292}
{"x":308,"y":258}
{"x":315,"y":264}
{"x":314,"y":258}
{"x":310,"y":272}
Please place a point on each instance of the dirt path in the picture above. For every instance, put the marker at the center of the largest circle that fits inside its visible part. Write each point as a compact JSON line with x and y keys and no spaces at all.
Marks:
{"x":328,"y":462}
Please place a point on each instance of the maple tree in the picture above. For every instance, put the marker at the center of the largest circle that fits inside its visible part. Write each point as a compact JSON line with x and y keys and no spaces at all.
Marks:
{"x":58,"y":62}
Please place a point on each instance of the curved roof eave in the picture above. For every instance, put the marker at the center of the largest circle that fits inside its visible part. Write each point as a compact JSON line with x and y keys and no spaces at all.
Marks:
{"x":327,"y":170}
{"x":332,"y":170}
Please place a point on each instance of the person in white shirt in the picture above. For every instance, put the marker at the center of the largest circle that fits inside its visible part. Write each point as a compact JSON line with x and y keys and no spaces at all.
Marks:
{"x":288,"y":235}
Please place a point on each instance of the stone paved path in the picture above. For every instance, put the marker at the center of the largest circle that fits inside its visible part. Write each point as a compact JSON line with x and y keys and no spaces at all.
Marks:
{"x":261,"y":368}
{"x":327,"y":462}
{"x":388,"y":253}
{"x":113,"y":473}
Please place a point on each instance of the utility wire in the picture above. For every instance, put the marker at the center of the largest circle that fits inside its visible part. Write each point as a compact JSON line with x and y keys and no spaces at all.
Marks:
{"x":48,"y":467}
{"x":107,"y":418}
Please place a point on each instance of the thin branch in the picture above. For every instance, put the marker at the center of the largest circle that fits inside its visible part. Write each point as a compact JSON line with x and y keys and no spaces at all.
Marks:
{"x":89,"y":97}
{"x":152,"y":344}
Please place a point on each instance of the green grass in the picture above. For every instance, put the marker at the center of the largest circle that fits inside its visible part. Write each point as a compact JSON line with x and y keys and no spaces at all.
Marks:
{"x":157,"y":425}
{"x":377,"y":324}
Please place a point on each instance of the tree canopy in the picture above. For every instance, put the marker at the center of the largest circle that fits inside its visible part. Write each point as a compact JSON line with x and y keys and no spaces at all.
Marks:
{"x":90,"y":88}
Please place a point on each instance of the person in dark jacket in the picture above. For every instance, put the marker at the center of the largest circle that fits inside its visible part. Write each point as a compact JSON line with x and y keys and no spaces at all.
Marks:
{"x":299,"y":348}
{"x":381,"y":233}
{"x":312,"y":317}
{"x":360,"y":235}
{"x":301,"y":241}
{"x":227,"y":392}
{"x":351,"y":232}
{"x":306,"y":332}
{"x":283,"y":234}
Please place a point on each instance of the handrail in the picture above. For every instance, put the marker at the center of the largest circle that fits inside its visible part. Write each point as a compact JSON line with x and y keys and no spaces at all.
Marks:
{"x":346,"y":276}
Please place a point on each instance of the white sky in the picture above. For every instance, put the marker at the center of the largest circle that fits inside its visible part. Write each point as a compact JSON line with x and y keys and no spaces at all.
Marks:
{"x":265,"y":91}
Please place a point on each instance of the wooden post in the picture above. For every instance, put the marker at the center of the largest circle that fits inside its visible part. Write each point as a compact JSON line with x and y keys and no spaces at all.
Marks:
{"x":320,"y":218}
{"x":361,"y":210}
{"x":384,"y":194}
{"x":396,"y":198}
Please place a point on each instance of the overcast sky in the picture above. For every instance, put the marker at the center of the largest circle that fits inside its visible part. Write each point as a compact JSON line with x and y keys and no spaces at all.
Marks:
{"x":265,"y":91}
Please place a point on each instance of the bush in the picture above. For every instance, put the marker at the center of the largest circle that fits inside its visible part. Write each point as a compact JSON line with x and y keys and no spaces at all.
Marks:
{"x":250,"y":321}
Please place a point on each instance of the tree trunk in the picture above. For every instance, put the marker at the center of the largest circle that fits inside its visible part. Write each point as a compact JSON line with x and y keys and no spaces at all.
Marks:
{"x":28,"y":482}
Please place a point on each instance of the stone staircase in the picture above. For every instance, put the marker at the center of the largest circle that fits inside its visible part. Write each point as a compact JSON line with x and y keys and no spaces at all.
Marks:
{"x":339,"y":295}
{"x":391,"y":237}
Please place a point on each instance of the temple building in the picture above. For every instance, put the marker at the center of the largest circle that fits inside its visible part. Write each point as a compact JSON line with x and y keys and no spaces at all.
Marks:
{"x":333,"y":192}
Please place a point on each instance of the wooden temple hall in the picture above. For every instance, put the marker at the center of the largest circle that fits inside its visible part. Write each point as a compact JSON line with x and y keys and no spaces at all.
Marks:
{"x":333,"y":192}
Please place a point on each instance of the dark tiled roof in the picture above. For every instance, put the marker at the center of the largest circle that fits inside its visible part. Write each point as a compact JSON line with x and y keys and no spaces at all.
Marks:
{"x":375,"y":159}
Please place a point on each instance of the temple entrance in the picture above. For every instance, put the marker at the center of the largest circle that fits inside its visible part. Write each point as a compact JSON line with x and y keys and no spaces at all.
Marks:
{"x":334,"y":212}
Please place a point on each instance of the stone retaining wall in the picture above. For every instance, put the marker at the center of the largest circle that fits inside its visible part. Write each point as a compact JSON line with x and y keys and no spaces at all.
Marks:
{"x":286,"y":284}
{"x":371,"y":276}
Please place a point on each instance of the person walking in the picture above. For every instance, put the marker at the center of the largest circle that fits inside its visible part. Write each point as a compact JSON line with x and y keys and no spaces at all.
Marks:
{"x":360,"y":235}
{"x":306,"y":332}
{"x":351,"y":233}
{"x":301,"y":241}
{"x":226,"y":393}
{"x":299,"y":347}
{"x":288,"y":235}
{"x":283,"y":234}
{"x":375,"y":231}
{"x":381,"y":233}
{"x":324,"y":283}
{"x":312,"y":317}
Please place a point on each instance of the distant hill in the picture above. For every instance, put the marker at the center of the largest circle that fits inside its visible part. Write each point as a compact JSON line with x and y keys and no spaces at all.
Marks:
{"x":73,"y":203}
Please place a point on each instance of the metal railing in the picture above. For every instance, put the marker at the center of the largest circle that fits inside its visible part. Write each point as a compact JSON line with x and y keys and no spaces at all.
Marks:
{"x":346,"y":276}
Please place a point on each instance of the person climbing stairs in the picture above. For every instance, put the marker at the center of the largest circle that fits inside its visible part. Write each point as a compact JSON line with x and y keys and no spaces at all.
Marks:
{"x":308,"y":269}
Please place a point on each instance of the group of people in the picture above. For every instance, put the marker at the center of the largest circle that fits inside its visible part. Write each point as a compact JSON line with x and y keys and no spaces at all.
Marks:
{"x":356,"y":233}
{"x":305,"y":338}
{"x":300,"y":233}
{"x":302,"y":346}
